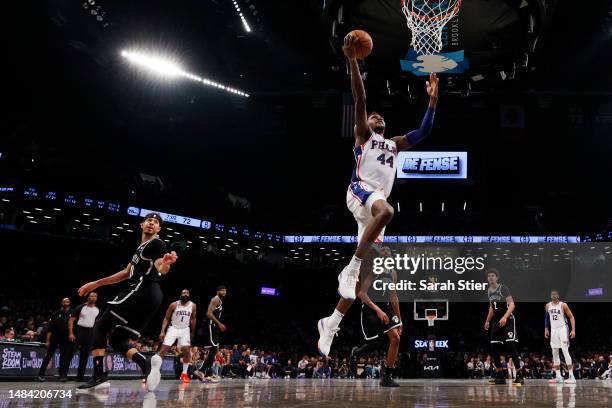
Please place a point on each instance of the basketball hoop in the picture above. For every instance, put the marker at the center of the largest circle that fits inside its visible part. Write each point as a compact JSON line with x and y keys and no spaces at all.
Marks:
{"x":426,"y":19}
{"x":431,"y":315}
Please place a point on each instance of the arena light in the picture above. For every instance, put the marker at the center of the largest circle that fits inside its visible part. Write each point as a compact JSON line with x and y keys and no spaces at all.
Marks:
{"x":168,"y":68}
{"x":245,"y":24}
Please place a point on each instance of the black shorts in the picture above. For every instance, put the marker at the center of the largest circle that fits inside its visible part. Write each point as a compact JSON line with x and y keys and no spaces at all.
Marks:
{"x":133,"y":311}
{"x":503,"y":334}
{"x":211,"y":336}
{"x":371,"y":326}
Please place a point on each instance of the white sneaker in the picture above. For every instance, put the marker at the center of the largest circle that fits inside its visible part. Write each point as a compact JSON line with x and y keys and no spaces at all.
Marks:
{"x":556,"y":380}
{"x":326,"y":336}
{"x":347,"y":281}
{"x":155,"y":375}
{"x":570,"y":381}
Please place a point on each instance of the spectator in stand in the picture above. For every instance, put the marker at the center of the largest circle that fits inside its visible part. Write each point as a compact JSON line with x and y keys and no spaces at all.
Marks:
{"x":302,"y":366}
{"x":487,"y":367}
{"x":470,"y":368}
{"x":344,"y":371}
{"x":9,"y":335}
{"x":322,"y":370}
{"x":479,"y":368}
{"x":526,"y":368}
{"x":607,"y":375}
{"x":601,"y":366}
{"x":290,"y":369}
{"x":511,"y":369}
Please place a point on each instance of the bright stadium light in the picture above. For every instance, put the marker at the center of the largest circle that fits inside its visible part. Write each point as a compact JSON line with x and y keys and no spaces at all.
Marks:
{"x":170,"y":69}
{"x":157,"y":65}
{"x":245,"y":24}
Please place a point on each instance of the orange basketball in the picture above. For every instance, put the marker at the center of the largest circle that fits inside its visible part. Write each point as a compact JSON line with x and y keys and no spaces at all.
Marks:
{"x":364,"y":45}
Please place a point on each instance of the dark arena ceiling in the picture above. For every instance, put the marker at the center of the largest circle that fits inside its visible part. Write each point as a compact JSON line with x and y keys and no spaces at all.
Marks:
{"x":533,"y":110}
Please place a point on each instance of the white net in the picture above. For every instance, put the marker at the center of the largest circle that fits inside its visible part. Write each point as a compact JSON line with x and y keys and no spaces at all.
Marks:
{"x":426,"y":19}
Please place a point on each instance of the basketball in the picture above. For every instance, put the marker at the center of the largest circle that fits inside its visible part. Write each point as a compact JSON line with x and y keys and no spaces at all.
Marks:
{"x":365,"y":44}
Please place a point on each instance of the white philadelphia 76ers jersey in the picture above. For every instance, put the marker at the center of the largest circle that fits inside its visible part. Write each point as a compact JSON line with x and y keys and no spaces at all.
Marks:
{"x":556,"y":315}
{"x":375,"y":162}
{"x":182,"y":315}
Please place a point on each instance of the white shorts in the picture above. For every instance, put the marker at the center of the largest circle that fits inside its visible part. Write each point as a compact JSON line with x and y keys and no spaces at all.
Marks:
{"x":559,"y":338}
{"x":363,"y":213}
{"x":182,"y":335}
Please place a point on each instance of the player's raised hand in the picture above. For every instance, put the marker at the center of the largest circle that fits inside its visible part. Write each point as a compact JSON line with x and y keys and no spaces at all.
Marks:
{"x":546,"y":333}
{"x":349,"y":48}
{"x":170,"y":258}
{"x":432,"y":85}
{"x":86,"y":288}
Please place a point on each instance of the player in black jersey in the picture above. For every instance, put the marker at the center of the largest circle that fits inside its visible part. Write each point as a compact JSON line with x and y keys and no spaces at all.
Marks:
{"x":132,"y":309}
{"x":213,"y":316}
{"x":379,"y":320}
{"x":500,"y":320}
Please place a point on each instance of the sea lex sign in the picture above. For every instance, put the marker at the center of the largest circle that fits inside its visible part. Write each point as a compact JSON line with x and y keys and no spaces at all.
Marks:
{"x":425,"y":343}
{"x":432,"y":165}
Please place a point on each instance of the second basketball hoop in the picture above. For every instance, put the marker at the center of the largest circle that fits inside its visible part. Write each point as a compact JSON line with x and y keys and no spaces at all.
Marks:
{"x":426,"y":19}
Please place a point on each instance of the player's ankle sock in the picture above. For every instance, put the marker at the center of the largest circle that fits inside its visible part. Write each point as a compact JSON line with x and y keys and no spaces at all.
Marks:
{"x":335,"y":319}
{"x":185,"y":367}
{"x":355,"y":263}
{"x":98,"y":363}
{"x":558,"y":373}
{"x":140,"y":360}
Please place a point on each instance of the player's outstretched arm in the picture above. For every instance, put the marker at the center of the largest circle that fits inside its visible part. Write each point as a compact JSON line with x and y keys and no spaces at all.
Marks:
{"x":569,"y":313}
{"x":362,"y":129}
{"x":163,"y":264}
{"x":109,"y":280}
{"x":413,"y":137}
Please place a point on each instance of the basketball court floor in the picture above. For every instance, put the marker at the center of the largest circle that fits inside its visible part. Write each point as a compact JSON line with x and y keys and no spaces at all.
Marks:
{"x":321,"y":393}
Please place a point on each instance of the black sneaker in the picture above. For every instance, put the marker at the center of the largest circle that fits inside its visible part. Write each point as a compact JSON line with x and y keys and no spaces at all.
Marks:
{"x":518,"y":382}
{"x":386,"y":379}
{"x":95,"y":383}
{"x":41,"y":378}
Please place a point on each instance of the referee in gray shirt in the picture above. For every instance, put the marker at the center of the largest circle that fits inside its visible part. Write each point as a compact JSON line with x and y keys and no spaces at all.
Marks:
{"x":81,"y":333}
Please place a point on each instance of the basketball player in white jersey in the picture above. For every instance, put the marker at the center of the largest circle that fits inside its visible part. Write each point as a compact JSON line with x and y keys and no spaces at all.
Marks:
{"x":182,"y":316}
{"x":371,"y":184}
{"x":555,"y":329}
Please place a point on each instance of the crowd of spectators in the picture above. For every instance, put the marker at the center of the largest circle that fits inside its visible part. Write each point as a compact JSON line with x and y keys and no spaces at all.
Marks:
{"x":532,"y":365}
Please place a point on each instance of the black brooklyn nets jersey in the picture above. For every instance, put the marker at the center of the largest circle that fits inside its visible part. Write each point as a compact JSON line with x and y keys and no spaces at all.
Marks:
{"x":497,"y":299}
{"x":217,"y":311}
{"x":142,"y":268}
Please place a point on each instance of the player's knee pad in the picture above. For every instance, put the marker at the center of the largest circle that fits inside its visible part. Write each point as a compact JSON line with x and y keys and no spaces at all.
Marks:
{"x":120,"y":338}
{"x":556,"y":359}
{"x":566,"y":355}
